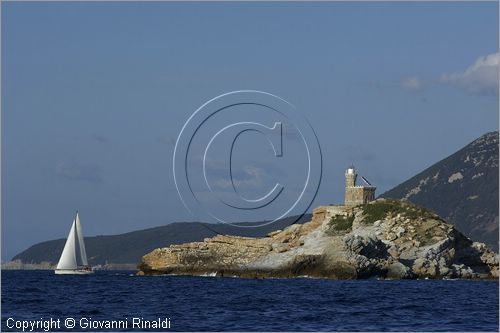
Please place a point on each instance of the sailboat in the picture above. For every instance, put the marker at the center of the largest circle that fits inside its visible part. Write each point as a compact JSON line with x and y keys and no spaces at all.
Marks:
{"x":74,"y":257}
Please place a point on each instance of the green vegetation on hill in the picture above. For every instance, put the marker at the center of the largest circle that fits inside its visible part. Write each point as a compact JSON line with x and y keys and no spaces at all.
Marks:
{"x":378,"y":210}
{"x":341,"y":223}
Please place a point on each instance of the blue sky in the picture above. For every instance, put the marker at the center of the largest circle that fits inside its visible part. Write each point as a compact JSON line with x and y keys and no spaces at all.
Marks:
{"x":95,"y":94}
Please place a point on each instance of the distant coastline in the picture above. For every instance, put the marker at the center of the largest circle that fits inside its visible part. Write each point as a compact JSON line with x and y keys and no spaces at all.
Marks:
{"x":19,"y":265}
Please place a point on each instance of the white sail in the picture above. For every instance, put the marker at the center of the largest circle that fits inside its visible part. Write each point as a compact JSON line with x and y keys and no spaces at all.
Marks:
{"x":79,"y":232}
{"x":68,"y":256}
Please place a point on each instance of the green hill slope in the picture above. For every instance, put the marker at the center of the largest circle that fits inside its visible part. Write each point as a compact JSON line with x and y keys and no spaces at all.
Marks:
{"x":462,"y":188}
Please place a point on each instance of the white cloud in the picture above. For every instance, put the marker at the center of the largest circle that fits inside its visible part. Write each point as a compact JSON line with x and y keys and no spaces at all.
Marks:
{"x":480,"y":78}
{"x":411,"y":83}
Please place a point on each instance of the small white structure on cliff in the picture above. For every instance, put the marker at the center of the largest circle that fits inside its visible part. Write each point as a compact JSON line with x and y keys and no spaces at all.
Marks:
{"x":357,"y":194}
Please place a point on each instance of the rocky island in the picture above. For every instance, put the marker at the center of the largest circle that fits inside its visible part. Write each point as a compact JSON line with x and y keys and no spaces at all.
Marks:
{"x":364,"y":238}
{"x":379,"y":239}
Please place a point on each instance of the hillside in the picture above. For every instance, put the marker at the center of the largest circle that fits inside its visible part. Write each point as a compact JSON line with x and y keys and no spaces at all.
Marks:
{"x":128,"y":248}
{"x":462,"y":188}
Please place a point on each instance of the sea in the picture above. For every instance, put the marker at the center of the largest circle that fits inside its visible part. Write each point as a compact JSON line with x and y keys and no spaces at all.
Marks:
{"x":47,"y":302}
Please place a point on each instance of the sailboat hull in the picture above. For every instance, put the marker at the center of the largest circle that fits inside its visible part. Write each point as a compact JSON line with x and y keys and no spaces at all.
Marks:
{"x":73,"y":272}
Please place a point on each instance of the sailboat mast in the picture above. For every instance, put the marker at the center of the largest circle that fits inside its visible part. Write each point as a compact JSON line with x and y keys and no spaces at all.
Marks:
{"x":81,"y":243}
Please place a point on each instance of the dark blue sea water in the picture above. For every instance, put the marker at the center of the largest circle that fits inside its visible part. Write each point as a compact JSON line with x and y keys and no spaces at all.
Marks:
{"x":230,"y":304}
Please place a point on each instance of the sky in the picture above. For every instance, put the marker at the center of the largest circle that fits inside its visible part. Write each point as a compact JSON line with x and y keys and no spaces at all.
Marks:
{"x":94,"y":96}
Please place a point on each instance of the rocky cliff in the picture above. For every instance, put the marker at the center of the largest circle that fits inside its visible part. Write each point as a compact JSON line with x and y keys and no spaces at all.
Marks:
{"x":384,"y":239}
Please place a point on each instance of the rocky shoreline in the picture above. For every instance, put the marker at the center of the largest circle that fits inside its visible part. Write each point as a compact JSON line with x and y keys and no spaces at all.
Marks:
{"x":386,"y":239}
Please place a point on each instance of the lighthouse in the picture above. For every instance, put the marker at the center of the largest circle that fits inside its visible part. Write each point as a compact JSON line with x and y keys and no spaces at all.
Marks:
{"x":357,"y":194}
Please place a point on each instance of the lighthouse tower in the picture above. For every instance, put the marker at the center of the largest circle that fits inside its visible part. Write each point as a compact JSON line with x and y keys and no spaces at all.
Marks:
{"x":355,"y":194}
{"x":350,"y":177}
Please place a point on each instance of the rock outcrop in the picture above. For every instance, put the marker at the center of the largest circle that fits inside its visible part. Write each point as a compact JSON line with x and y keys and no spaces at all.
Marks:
{"x":384,"y":239}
